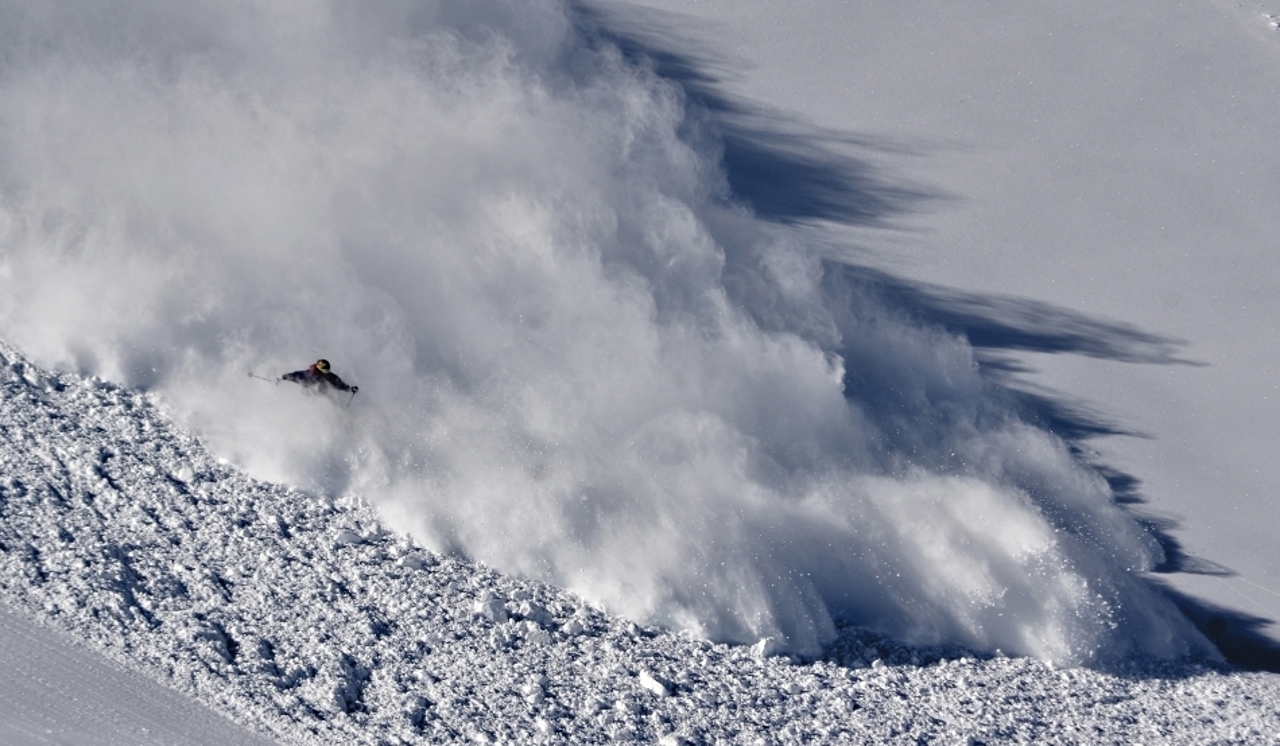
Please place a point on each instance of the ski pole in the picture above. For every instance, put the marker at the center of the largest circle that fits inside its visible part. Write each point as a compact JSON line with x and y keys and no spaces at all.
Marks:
{"x":260,"y":378}
{"x":354,"y":390}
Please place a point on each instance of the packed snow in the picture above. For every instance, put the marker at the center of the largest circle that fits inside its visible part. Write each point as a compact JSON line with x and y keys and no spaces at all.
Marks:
{"x":306,"y":620}
{"x":54,"y":690}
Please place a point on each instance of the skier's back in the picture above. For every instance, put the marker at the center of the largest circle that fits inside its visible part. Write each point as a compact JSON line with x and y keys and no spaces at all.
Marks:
{"x":320,"y":376}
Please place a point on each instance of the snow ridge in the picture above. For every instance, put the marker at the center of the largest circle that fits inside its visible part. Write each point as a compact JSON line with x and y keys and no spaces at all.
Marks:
{"x":304,"y":619}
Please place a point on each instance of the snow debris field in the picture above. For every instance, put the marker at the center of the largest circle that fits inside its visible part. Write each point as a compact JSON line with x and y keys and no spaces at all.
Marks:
{"x":305,"y":620}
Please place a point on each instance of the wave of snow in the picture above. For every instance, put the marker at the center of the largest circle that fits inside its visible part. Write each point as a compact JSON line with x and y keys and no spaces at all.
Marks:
{"x":579,"y":360}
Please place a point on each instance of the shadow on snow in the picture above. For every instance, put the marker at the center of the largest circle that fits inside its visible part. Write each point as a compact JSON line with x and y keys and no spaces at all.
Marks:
{"x":785,"y":170}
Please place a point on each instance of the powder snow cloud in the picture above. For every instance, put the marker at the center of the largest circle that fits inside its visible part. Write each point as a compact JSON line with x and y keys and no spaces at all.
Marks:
{"x":579,"y":359}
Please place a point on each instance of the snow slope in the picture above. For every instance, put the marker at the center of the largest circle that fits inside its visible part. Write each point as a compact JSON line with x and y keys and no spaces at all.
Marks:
{"x":53,"y":691}
{"x":305,"y":620}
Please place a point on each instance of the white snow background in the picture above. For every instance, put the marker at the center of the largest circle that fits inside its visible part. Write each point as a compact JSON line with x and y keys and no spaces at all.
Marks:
{"x":601,"y":340}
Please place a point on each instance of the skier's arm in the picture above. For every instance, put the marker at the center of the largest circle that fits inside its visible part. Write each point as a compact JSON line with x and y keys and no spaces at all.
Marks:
{"x":333,"y":380}
{"x":298,"y":376}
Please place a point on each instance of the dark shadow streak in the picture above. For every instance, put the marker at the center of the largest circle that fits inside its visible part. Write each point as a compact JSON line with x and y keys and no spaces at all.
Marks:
{"x":783,"y":169}
{"x":1238,"y":635}
{"x":998,"y":323}
{"x":1000,"y":326}
{"x":788,"y":172}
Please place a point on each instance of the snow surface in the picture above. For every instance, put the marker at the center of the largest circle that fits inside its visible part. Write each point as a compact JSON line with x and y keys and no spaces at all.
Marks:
{"x":54,"y":691}
{"x":307,"y":621}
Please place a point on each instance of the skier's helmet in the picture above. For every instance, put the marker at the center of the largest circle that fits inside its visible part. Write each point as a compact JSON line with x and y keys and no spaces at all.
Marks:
{"x":322,"y":365}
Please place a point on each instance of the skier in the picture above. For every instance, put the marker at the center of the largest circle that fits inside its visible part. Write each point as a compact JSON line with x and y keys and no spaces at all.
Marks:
{"x":319,"y":375}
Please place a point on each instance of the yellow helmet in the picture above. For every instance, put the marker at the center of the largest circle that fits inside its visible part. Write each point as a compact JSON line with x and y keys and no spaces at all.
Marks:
{"x":322,"y":365}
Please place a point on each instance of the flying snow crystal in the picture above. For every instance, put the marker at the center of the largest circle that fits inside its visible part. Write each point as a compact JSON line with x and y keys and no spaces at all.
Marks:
{"x":578,"y":359}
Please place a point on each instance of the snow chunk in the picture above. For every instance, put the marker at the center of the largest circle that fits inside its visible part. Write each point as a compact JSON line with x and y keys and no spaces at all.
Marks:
{"x":655,"y":684}
{"x":534,"y":612}
{"x":534,"y":690}
{"x":767,"y":648}
{"x":491,"y":607}
{"x":534,"y":633}
{"x":626,"y":706}
{"x":275,"y":523}
{"x":338,"y":686}
{"x":414,"y":562}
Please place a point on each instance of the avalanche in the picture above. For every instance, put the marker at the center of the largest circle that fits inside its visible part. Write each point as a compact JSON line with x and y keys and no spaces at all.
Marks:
{"x":635,"y":456}
{"x":582,"y":358}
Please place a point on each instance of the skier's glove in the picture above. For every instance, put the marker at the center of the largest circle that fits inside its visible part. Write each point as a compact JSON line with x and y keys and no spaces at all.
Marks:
{"x":355,"y":389}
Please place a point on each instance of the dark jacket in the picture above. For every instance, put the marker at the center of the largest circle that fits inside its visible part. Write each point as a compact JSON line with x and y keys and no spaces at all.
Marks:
{"x":313,"y":376}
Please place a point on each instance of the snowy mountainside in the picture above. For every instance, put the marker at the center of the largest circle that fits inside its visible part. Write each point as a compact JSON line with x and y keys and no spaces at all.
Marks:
{"x":305,"y":620}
